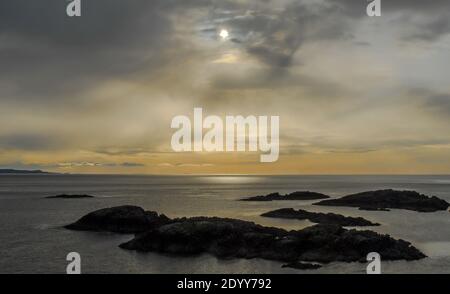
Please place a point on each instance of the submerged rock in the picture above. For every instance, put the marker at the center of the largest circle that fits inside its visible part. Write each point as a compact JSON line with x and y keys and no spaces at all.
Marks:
{"x":121,"y":219}
{"x":299,"y":195}
{"x":74,"y":196}
{"x":320,"y":218}
{"x":384,"y":199}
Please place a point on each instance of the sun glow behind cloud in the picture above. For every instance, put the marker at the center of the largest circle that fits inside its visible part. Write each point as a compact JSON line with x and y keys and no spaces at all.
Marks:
{"x":224,"y":34}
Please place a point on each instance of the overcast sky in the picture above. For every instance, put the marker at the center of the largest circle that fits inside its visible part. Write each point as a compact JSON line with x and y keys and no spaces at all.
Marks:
{"x":97,"y":93}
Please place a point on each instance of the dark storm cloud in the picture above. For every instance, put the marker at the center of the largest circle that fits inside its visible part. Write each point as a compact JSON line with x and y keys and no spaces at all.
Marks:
{"x":46,"y":54}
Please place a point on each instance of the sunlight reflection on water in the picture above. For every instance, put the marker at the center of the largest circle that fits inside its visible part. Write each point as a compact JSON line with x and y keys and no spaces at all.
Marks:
{"x":232,"y":179}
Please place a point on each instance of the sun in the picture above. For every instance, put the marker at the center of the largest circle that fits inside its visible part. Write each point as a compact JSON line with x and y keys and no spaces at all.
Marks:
{"x":224,"y":34}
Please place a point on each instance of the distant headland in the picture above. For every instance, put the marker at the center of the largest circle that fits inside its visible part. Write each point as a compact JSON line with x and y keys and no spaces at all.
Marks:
{"x":22,"y":172}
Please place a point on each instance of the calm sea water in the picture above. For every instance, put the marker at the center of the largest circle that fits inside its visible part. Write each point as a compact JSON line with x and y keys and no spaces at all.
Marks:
{"x":32,"y":239}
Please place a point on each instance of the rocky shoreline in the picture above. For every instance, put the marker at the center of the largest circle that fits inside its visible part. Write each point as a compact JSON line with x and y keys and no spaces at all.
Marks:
{"x":232,"y":238}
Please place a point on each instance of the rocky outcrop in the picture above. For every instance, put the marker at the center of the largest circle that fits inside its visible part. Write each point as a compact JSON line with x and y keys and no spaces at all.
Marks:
{"x":121,"y":219}
{"x":299,"y":195}
{"x":65,"y":196}
{"x":319,"y":218}
{"x":385,"y":199}
{"x":231,"y":238}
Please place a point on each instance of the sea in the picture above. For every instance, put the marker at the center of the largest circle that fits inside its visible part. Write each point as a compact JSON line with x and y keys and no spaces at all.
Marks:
{"x":33,"y":240}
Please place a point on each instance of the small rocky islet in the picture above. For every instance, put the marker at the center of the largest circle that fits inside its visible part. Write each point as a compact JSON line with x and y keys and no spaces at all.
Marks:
{"x":383,"y":200}
{"x":379,"y":200}
{"x":70,"y":196}
{"x":319,"y":218}
{"x":125,"y":219}
{"x":299,"y":195}
{"x":233,"y":238}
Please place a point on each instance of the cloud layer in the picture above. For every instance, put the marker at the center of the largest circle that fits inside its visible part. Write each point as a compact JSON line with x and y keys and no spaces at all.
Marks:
{"x":351,"y":90}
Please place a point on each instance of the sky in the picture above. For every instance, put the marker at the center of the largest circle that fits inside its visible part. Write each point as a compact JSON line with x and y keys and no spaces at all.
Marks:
{"x":97,"y":93}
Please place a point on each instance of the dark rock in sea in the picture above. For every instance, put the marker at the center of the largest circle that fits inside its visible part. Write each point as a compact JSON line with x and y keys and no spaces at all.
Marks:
{"x":319,"y":218}
{"x":374,"y":209}
{"x":384,"y":199}
{"x":299,"y":195}
{"x":121,"y":219}
{"x":64,"y":196}
{"x":230,"y":238}
{"x":302,"y":265}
